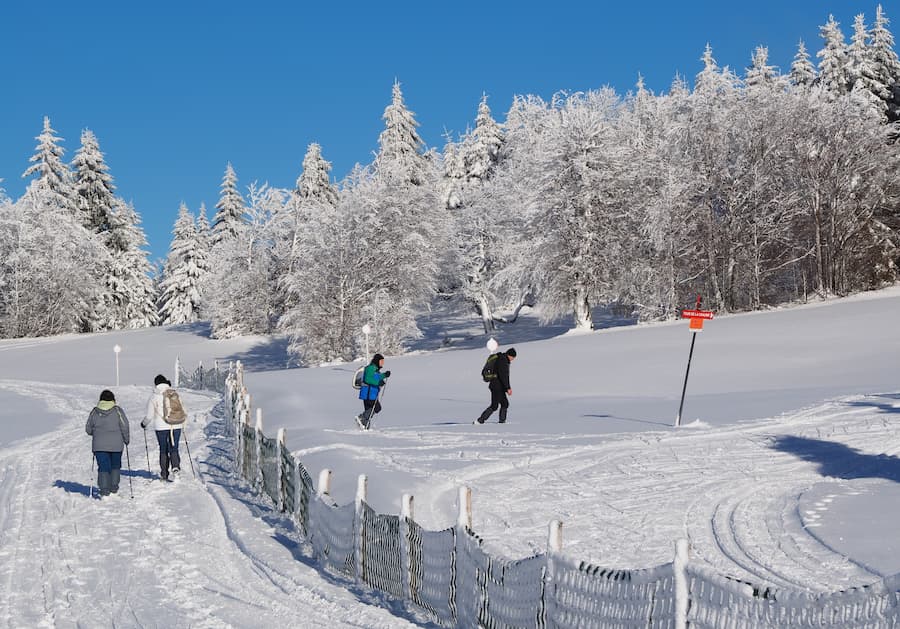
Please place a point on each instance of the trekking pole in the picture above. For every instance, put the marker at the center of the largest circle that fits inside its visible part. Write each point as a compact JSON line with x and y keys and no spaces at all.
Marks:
{"x":128,"y":460}
{"x":188,"y":447}
{"x":147,"y":450}
{"x":91,"y":494}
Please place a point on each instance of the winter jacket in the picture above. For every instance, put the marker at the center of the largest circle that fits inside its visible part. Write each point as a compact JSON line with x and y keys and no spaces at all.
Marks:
{"x":154,"y":415}
{"x":373,"y":380}
{"x":109,"y":429}
{"x":502,"y":367}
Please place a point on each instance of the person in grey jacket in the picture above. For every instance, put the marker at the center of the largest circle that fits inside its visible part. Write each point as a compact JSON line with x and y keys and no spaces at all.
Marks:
{"x":108,"y":426}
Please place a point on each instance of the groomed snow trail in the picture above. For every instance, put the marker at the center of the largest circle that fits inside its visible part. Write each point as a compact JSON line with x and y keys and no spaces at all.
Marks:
{"x":194,"y":553}
{"x":734,"y":492}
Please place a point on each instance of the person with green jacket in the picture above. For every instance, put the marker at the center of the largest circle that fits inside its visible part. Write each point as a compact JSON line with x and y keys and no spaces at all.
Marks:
{"x":373,"y":381}
{"x":108,"y":427}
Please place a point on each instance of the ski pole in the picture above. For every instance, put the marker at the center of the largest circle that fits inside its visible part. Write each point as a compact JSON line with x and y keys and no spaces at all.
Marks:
{"x":128,"y":460}
{"x":91,"y":494}
{"x":188,"y":447}
{"x":147,"y":450}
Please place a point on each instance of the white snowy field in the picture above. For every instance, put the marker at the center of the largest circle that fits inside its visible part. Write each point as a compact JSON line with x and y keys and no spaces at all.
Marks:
{"x":786,"y":471}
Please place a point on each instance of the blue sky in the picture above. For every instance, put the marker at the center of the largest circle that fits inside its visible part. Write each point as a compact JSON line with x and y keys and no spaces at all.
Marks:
{"x":173,"y":91}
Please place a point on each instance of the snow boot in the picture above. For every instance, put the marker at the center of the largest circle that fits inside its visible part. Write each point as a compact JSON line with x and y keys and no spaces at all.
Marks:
{"x":103,"y":483}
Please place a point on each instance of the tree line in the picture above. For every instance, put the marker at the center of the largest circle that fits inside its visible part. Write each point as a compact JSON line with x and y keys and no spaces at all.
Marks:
{"x":752,"y":190}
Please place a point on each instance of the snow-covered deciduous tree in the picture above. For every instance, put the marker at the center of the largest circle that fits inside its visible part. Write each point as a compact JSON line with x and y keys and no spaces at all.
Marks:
{"x":180,"y":291}
{"x":49,"y":171}
{"x":803,"y":72}
{"x":229,"y":217}
{"x":94,"y":189}
{"x":834,"y":63}
{"x":48,"y":262}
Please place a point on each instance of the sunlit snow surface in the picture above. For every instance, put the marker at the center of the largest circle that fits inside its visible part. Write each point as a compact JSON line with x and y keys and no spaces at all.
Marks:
{"x":784,"y":472}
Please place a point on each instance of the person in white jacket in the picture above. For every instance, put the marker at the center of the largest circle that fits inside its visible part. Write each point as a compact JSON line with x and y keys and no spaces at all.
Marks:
{"x":166,"y":435}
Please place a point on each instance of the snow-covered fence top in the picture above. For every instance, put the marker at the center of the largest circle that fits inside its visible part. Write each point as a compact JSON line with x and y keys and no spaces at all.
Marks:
{"x":449,"y":576}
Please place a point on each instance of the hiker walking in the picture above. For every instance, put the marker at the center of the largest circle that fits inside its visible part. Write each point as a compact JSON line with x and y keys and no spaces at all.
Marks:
{"x":498,"y":383}
{"x":167,"y":435}
{"x":108,"y":427}
{"x":373,"y":381}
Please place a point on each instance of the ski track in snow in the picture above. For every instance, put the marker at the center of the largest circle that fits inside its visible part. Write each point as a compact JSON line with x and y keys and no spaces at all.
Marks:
{"x":185,"y":554}
{"x":620,"y":497}
{"x":204,"y":552}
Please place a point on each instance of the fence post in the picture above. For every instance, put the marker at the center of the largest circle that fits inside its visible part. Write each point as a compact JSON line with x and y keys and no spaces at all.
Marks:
{"x":177,"y":371}
{"x":324,"y":488}
{"x":464,"y":520}
{"x":200,"y":369}
{"x":257,"y":478}
{"x":359,"y":538}
{"x":406,"y":567}
{"x":548,"y":591}
{"x":279,"y":458}
{"x":681,"y":583}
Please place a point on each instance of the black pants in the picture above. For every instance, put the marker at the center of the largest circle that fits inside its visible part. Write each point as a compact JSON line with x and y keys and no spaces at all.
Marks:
{"x":370,"y":407}
{"x":498,"y":399}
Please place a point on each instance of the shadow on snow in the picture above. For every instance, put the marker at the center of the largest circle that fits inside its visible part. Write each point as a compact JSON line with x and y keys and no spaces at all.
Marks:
{"x":839,"y":460}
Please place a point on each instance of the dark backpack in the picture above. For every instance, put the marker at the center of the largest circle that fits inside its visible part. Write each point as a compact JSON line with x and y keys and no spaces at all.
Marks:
{"x":489,"y":371}
{"x":173,"y":411}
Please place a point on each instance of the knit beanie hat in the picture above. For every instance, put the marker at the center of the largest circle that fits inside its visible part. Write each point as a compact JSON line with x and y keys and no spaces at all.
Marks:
{"x":107,"y":396}
{"x":376,"y":358}
{"x":160,"y":379}
{"x":511,"y":352}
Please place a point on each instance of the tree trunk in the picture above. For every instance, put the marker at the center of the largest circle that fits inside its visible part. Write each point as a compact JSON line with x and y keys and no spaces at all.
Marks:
{"x":582,"y":308}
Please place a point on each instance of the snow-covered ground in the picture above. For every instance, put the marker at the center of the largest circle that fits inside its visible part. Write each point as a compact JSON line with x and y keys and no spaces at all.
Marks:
{"x":786,"y":471}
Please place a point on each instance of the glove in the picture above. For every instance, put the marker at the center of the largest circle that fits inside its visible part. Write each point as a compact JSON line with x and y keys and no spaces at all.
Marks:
{"x":387,"y":374}
{"x":144,"y":425}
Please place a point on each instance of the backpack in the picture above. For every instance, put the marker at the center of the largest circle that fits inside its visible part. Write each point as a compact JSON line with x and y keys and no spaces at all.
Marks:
{"x":358,"y":378}
{"x":489,"y":371}
{"x":173,"y":411}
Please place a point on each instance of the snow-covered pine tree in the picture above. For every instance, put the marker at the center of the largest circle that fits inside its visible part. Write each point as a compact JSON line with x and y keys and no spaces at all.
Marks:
{"x":94,"y":189}
{"x":760,"y":74}
{"x":482,"y":150}
{"x":180,"y":297}
{"x":834,"y":64}
{"x":229,"y":216}
{"x":399,"y":145}
{"x":242,"y":297}
{"x":130,"y":294}
{"x":454,"y":175}
{"x":886,"y":64}
{"x":49,"y":171}
{"x":406,"y":222}
{"x":204,"y":243}
{"x":803,"y":72}
{"x":313,"y":189}
{"x":711,"y":79}
{"x":867,"y":88}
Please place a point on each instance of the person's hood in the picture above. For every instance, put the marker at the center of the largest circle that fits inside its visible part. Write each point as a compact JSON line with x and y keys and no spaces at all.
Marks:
{"x":105,"y":408}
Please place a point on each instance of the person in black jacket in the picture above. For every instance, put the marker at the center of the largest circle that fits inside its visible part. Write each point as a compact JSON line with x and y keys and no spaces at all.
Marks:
{"x":500,"y":387}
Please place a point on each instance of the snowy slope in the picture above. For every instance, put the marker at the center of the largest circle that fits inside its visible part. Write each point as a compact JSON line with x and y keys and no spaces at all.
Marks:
{"x":785,"y":474}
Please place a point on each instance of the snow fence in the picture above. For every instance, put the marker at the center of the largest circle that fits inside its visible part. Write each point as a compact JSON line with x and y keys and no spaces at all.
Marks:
{"x":448,"y":575}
